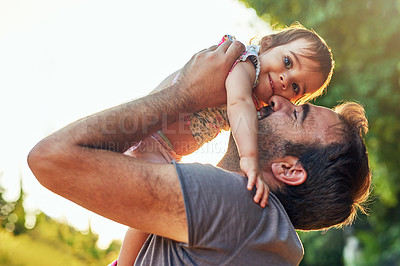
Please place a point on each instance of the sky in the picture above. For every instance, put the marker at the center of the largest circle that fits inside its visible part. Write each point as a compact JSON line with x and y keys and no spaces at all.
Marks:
{"x":63,"y":60}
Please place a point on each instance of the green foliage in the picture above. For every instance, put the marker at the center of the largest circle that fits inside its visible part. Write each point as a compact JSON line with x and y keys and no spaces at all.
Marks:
{"x":12,"y":214}
{"x":53,"y":243}
{"x":322,"y":247}
{"x":22,"y":250}
{"x":49,"y":242}
{"x":365,"y":39}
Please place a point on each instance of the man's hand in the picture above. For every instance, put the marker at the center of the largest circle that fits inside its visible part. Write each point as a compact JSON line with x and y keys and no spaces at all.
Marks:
{"x":201,"y":82}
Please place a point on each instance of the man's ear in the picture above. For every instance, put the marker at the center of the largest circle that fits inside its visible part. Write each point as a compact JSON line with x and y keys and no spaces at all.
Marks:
{"x":289,"y":171}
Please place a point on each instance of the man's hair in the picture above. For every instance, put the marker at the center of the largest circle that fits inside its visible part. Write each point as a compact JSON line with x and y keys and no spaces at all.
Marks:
{"x":338,"y":176}
{"x":318,"y":51}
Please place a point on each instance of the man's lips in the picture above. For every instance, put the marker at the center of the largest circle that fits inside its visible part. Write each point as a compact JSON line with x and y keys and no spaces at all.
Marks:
{"x":264,"y":112}
{"x":272,"y":84}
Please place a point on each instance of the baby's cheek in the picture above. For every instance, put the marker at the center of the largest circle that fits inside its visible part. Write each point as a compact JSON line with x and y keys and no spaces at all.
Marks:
{"x":263,"y":92}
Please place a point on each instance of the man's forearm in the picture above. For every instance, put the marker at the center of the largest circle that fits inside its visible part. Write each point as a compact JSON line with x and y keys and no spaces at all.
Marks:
{"x":118,"y":128}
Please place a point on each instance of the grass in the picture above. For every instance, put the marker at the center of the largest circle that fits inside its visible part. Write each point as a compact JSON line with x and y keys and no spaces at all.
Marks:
{"x":23,"y":250}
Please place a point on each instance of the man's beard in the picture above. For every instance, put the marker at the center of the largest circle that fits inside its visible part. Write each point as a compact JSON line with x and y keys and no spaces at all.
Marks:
{"x":270,"y":144}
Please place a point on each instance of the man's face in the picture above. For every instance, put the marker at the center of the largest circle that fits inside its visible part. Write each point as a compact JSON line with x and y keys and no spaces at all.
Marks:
{"x":305,"y":123}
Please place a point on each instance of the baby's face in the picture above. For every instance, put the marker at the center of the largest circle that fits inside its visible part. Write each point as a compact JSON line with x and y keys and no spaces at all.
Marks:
{"x":285,"y":72}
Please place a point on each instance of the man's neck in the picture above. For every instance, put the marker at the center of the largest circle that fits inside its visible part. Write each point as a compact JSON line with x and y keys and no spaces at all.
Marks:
{"x":231,"y":162}
{"x":231,"y":159}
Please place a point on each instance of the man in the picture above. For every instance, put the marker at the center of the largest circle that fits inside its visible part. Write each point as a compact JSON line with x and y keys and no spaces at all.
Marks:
{"x":200,"y":214}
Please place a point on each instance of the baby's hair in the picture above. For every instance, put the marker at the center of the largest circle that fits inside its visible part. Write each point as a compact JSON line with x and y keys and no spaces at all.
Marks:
{"x":317,"y":51}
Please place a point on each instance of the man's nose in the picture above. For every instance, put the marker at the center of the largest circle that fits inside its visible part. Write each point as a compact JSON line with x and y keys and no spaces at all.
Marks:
{"x":278,"y":102}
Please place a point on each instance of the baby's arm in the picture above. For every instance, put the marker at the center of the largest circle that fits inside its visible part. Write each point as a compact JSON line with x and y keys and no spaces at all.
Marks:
{"x":133,"y":242}
{"x":242,"y":116}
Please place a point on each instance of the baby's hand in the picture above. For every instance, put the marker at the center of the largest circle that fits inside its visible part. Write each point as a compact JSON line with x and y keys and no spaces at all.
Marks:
{"x":251,"y":169}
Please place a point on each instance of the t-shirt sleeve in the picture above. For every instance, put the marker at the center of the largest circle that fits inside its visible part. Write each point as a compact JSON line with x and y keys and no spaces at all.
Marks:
{"x":213,"y":198}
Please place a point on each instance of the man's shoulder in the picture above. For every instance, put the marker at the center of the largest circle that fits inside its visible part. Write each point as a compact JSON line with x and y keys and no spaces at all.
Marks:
{"x":224,"y":187}
{"x":202,"y":167}
{"x":218,"y":203}
{"x":206,"y":173}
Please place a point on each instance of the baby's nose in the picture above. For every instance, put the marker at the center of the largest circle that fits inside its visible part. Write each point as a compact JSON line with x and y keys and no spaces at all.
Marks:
{"x":283,"y":81}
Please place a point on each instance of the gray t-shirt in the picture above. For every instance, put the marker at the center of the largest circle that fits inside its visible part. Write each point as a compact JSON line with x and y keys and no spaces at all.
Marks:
{"x":225,"y":226}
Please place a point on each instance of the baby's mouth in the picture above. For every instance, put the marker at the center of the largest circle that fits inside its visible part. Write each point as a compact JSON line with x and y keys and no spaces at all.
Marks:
{"x":272,"y":84}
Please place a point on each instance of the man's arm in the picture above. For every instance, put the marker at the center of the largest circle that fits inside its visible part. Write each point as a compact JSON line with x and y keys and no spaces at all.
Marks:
{"x":83,"y":162}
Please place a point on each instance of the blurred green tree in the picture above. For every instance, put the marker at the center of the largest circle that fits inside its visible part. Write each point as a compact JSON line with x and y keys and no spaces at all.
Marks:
{"x":47,"y":239}
{"x":4,"y":210}
{"x":365,"y":39}
{"x":12,"y":214}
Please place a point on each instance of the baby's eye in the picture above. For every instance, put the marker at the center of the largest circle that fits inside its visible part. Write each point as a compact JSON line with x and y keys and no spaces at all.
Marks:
{"x":296,"y":88}
{"x":288,"y":62}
